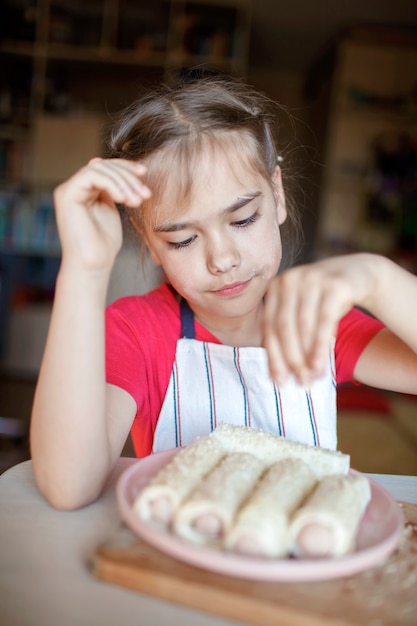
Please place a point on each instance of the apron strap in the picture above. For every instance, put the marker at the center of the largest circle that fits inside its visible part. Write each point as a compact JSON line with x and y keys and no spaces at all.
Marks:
{"x":187,"y":320}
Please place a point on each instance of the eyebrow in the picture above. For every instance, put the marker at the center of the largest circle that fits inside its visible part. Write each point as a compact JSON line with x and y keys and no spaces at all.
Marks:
{"x":240,"y":202}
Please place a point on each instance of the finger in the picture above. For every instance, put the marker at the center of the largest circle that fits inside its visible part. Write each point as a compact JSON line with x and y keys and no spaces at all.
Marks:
{"x":86,"y":187}
{"x":130,"y":188}
{"x":281,"y":314}
{"x":277,"y":368}
{"x":135,"y":166}
{"x":126,"y":174}
{"x":308,"y":314}
{"x":334,"y":304}
{"x":291,"y":334}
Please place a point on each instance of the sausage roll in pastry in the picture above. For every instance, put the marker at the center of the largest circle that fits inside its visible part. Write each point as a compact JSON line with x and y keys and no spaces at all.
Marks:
{"x":209,"y":512}
{"x":327,"y":523}
{"x":262,"y":525}
{"x":159,"y":500}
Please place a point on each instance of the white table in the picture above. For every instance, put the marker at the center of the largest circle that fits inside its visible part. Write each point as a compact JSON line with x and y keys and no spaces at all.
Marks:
{"x":44,"y":580}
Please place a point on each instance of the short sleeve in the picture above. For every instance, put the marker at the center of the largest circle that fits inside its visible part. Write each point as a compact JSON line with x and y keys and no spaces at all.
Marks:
{"x":141,"y":335}
{"x":355,"y":331}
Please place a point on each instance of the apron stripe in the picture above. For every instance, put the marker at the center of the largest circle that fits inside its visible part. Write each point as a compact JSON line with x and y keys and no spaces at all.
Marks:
{"x":176,"y":403}
{"x":312,"y":418}
{"x":278,"y":407}
{"x":210,"y":385}
{"x":236,"y":359}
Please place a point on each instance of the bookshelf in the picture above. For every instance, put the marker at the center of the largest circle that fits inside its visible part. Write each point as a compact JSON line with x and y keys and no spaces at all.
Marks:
{"x":65,"y":67}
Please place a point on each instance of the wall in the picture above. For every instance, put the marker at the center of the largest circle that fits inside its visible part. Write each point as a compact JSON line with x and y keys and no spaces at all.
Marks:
{"x":300,"y":146}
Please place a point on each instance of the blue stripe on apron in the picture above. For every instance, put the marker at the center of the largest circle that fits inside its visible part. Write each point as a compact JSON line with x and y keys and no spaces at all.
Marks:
{"x":175,"y":394}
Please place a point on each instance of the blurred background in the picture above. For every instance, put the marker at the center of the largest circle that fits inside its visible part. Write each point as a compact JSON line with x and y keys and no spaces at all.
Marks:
{"x":346,"y":76}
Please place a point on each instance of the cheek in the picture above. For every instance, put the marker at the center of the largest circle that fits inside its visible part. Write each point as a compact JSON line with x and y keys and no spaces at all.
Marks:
{"x":270,"y":251}
{"x":182,"y":274}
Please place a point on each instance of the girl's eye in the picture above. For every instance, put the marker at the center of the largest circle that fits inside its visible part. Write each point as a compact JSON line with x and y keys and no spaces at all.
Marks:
{"x":177,"y":245}
{"x":248,"y":221}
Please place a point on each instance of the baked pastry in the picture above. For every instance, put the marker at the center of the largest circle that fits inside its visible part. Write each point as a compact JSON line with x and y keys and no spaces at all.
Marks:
{"x":159,"y":500}
{"x":262,"y":525}
{"x":255,"y":493}
{"x":208,"y":513}
{"x":272,"y":448}
{"x":327,"y":523}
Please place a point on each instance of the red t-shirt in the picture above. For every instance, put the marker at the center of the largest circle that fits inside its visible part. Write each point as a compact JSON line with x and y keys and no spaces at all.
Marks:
{"x":141,"y":337}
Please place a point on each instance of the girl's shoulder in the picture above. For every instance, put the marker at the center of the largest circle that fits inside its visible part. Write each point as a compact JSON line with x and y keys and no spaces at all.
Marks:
{"x":157,"y":309}
{"x":162,"y":299}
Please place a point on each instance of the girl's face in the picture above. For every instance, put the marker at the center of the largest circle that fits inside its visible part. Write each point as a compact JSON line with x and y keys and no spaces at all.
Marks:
{"x":221,"y":249}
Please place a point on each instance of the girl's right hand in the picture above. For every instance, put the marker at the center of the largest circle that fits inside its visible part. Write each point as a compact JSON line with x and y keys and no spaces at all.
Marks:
{"x":88,"y":221}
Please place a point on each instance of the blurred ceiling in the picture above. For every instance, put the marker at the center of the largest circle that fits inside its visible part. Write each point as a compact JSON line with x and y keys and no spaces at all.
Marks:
{"x":290,"y":35}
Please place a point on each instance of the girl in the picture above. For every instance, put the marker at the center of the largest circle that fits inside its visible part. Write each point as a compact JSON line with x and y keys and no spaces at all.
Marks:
{"x":225,"y":338}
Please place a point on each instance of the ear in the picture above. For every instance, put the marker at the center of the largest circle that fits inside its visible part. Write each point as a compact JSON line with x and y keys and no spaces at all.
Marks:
{"x":279,"y":195}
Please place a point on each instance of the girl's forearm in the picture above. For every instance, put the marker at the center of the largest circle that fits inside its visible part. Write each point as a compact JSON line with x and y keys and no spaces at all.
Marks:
{"x":69,"y":440}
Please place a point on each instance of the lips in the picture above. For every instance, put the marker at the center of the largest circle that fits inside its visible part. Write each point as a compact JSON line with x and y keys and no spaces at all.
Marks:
{"x":232,"y":289}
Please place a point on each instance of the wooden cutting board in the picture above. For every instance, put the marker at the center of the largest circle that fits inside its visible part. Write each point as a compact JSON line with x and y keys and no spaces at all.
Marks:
{"x":385,"y":595}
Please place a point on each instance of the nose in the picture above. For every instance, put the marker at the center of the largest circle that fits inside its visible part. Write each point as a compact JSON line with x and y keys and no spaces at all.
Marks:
{"x":222,"y":255}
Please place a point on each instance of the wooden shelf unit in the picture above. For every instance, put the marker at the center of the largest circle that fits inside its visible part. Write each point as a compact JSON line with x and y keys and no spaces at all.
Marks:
{"x":66,"y":66}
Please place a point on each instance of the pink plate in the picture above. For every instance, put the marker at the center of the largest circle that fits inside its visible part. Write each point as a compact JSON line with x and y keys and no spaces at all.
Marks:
{"x":378,"y":536}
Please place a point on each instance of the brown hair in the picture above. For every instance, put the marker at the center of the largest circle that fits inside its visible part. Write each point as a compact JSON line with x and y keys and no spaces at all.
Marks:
{"x":171,"y":123}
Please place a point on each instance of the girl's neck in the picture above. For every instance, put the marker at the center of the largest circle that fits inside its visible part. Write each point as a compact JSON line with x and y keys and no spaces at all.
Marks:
{"x":242,"y":332}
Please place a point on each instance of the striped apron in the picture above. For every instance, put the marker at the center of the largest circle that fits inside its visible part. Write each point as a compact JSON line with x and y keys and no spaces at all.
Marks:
{"x":212,"y":383}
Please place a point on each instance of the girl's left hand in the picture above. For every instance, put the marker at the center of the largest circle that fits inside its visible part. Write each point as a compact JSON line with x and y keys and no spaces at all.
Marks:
{"x":303,"y":307}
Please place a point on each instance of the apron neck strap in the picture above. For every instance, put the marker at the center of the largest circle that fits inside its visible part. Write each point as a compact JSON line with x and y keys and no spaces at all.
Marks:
{"x":187,"y":320}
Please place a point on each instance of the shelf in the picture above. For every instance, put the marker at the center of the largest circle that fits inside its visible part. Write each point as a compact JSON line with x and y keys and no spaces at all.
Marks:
{"x":19,"y":48}
{"x":29,"y":251}
{"x":76,"y":22}
{"x":66,"y":66}
{"x":168,"y":32}
{"x":362,"y":113}
{"x":114,"y":56}
{"x":27,"y":224}
{"x":14,"y":132}
{"x":75,"y":39}
{"x":62,"y":55}
{"x":103,"y":54}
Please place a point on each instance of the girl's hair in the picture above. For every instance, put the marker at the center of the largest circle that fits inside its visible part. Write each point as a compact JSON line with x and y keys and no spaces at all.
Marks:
{"x":170,"y":124}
